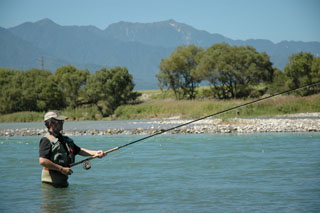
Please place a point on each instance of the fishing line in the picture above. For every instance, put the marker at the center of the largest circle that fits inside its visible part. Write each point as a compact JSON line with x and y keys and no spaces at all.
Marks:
{"x":193,"y":121}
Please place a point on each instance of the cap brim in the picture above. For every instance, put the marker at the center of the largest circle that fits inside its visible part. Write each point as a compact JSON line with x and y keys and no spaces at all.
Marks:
{"x":61,"y":117}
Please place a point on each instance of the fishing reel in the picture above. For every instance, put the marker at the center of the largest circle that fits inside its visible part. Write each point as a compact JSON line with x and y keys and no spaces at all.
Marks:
{"x":86,"y":165}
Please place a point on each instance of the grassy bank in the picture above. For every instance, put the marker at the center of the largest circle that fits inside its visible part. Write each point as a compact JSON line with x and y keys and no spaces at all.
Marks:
{"x":198,"y":108}
{"x":78,"y":114}
{"x":166,"y":108}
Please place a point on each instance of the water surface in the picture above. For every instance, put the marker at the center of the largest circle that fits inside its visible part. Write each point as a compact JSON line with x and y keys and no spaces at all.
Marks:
{"x":275,"y":172}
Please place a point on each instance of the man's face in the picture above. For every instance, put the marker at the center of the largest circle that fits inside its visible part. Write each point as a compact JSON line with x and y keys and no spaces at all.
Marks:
{"x":58,"y":126}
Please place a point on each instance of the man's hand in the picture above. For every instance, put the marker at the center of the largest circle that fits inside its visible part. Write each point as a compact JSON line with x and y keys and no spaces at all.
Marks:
{"x":53,"y":166}
{"x":100,"y":154}
{"x":66,"y":171}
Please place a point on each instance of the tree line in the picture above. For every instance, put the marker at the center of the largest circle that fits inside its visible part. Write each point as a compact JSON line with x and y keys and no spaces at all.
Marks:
{"x":41,"y":90}
{"x":231,"y":72}
{"x":234,"y":72}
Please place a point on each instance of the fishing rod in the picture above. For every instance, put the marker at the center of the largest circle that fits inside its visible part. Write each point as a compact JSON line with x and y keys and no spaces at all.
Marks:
{"x":86,"y":162}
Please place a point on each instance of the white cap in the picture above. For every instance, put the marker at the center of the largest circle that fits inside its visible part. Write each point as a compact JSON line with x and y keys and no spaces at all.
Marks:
{"x":54,"y":114}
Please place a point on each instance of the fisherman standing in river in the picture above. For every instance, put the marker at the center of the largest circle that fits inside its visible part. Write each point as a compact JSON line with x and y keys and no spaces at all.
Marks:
{"x":57,"y":152}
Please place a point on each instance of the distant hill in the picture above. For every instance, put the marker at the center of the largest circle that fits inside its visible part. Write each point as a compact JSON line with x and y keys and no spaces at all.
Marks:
{"x":16,"y":52}
{"x":139,"y":47}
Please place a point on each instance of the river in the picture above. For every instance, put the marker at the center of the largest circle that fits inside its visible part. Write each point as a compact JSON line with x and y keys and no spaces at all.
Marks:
{"x":260,"y":172}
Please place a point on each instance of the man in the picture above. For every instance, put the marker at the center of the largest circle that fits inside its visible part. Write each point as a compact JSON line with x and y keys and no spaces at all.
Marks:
{"x":57,"y":152}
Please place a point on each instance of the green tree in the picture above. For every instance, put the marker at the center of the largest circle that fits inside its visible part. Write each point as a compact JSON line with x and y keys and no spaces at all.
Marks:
{"x":279,"y":82}
{"x":302,"y":69}
{"x":50,"y":96}
{"x":315,"y":74}
{"x":31,"y":82}
{"x":6,"y":76}
{"x":108,"y":89}
{"x":10,"y":99}
{"x":32,"y":90}
{"x":70,"y":81}
{"x":233,"y":71}
{"x":175,"y":71}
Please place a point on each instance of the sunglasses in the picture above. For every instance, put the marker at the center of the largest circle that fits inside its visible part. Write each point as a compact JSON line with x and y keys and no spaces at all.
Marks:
{"x":60,"y":122}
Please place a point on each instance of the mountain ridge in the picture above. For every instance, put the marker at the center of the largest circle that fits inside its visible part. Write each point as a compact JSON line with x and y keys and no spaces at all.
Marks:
{"x":137,"y":46}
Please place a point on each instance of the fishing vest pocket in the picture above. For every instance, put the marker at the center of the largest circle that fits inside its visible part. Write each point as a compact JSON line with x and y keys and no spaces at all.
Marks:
{"x":59,"y":154}
{"x":58,"y":158}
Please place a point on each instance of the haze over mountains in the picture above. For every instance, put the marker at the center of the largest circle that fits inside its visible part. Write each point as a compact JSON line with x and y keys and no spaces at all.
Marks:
{"x":139,"y":47}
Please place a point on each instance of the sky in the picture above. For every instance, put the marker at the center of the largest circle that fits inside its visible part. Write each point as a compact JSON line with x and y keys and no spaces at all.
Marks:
{"x":275,"y":20}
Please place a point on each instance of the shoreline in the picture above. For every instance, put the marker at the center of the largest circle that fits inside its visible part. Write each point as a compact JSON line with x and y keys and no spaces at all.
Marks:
{"x":302,"y":122}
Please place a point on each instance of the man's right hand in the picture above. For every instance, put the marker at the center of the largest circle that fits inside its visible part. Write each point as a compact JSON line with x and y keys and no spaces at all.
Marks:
{"x":66,"y":171}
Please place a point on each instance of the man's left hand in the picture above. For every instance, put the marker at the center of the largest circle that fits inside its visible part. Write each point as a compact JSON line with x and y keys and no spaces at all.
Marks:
{"x":100,"y":154}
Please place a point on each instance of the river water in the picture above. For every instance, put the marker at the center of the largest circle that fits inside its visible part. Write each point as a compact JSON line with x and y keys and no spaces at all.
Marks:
{"x":274,"y":172}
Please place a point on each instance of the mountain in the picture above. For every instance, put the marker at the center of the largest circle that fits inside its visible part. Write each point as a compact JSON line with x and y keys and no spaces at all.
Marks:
{"x":137,"y":46}
{"x":90,"y":48}
{"x":15,"y":52}
{"x":165,"y":34}
{"x":171,"y":34}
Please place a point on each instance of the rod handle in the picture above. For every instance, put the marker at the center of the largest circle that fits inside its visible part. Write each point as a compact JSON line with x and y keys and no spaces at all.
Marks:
{"x":106,"y":152}
{"x":111,"y":150}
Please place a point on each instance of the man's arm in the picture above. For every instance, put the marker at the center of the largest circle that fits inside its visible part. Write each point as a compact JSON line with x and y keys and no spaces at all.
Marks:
{"x":87,"y":152}
{"x":53,"y":166}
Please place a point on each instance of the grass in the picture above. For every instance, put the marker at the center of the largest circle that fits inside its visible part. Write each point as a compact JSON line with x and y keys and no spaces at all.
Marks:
{"x":166,"y":108}
{"x":22,"y":117}
{"x":78,"y":114}
{"x":197,"y":108}
{"x":169,"y":94}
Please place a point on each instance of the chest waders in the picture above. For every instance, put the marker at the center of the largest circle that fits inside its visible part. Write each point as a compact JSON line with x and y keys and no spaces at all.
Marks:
{"x":61,"y":156}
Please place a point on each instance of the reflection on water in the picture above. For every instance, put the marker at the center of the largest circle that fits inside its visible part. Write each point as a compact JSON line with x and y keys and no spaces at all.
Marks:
{"x":57,"y":199}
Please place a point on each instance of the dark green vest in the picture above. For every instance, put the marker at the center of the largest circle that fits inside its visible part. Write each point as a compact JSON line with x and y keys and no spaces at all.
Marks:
{"x":61,"y":156}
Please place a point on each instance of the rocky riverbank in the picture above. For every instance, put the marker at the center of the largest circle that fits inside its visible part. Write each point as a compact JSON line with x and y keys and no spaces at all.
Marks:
{"x":304,"y":122}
